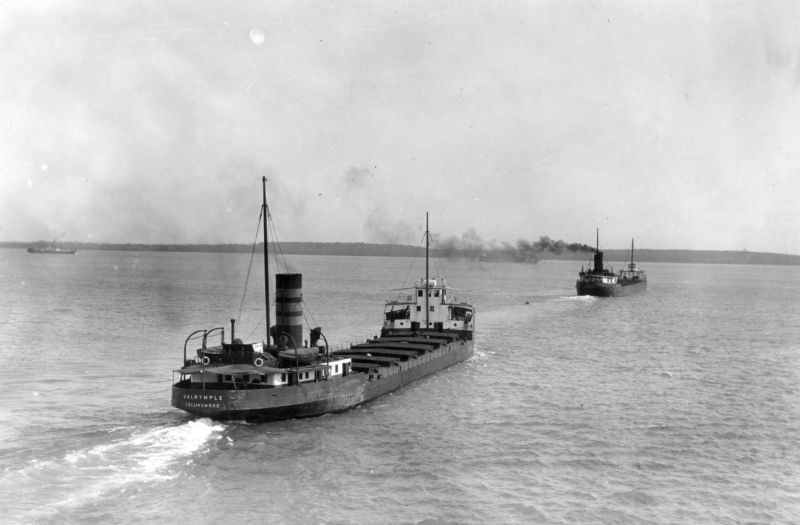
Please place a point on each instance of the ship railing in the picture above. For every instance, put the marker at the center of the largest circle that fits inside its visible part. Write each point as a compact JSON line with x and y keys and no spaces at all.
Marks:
{"x":401,"y":299}
{"x":345,"y":346}
{"x":196,"y":335}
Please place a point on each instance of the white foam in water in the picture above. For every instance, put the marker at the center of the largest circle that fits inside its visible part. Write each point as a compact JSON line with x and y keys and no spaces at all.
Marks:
{"x":582,"y":298}
{"x":144,"y":457}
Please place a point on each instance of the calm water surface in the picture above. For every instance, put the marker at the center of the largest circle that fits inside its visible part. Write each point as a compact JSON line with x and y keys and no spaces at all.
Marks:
{"x":680,"y":405}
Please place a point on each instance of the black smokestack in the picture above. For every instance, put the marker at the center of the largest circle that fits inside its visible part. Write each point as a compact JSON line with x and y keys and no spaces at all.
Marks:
{"x":289,"y":306}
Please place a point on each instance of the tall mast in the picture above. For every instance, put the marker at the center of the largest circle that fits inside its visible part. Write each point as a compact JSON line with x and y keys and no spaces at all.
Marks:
{"x":597,"y":240}
{"x":427,"y":280}
{"x":266,"y":252}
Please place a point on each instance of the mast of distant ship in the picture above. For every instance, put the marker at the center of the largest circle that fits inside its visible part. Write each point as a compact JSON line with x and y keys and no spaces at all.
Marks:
{"x":427,"y":239}
{"x":266,"y":253}
{"x":631,"y":253}
{"x":598,"y":256}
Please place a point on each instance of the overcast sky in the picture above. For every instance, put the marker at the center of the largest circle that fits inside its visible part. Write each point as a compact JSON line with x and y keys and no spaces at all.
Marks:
{"x":674,"y":122}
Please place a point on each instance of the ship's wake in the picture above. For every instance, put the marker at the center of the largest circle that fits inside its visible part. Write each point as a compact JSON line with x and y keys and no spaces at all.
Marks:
{"x":83,"y":476}
{"x":579,"y":298}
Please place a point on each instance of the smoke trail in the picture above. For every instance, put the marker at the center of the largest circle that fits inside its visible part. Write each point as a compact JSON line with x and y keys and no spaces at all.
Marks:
{"x":470,"y":245}
{"x":382,"y":229}
{"x":545,"y":243}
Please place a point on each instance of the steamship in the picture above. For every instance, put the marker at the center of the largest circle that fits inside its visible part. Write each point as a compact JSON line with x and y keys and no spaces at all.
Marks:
{"x":425,"y":328}
{"x":52,"y":249}
{"x":601,"y":281}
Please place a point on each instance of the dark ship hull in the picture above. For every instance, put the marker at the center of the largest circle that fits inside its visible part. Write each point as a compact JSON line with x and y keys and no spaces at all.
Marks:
{"x":320,"y":397}
{"x":611,"y":290}
{"x":52,"y":251}
{"x":630,"y":287}
{"x":597,"y":289}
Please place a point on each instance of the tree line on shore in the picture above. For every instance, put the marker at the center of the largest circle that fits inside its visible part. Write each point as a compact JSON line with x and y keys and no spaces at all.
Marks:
{"x":488,"y":254}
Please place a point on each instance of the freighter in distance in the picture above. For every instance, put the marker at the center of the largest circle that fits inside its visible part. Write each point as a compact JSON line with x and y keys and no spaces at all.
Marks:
{"x":601,"y":281}
{"x":52,"y":249}
{"x":425,"y":329}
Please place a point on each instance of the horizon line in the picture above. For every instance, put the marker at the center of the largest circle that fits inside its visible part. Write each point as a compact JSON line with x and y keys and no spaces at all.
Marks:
{"x":20,"y":244}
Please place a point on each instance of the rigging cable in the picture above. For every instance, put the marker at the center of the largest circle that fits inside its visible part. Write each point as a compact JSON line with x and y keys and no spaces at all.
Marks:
{"x":249,"y":268}
{"x":279,"y":249}
{"x":411,"y":266}
{"x":440,"y":270}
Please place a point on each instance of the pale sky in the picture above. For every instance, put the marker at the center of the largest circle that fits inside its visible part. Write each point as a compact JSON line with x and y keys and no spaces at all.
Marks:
{"x":674,"y":122}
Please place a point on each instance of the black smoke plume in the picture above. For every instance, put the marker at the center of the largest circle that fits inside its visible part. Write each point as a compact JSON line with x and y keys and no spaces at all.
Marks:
{"x":545,"y":243}
{"x":471,"y":246}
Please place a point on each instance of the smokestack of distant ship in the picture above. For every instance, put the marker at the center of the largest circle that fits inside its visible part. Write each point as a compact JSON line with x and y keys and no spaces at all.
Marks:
{"x":598,"y":262}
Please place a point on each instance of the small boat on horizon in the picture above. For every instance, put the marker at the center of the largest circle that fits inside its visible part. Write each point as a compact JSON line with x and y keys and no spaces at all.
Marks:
{"x":601,"y":281}
{"x":52,"y":249}
{"x":425,"y":329}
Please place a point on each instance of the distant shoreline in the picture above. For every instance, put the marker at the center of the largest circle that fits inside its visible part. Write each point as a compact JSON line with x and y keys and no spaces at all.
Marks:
{"x":399,"y":250}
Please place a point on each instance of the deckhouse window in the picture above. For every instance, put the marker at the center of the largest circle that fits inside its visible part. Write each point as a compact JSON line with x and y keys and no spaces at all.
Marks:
{"x":419,"y":308}
{"x":419,"y":293}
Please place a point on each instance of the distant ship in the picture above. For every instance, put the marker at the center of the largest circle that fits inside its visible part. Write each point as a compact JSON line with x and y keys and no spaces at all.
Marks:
{"x":425,"y":329}
{"x":601,"y":281}
{"x":632,"y":278}
{"x":52,"y":249}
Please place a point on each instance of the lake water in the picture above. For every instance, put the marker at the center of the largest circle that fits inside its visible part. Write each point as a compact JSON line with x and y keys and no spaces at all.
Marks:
{"x":679,"y":405}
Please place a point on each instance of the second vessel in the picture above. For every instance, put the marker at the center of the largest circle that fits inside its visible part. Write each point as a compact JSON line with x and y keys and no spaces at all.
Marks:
{"x":601,"y":281}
